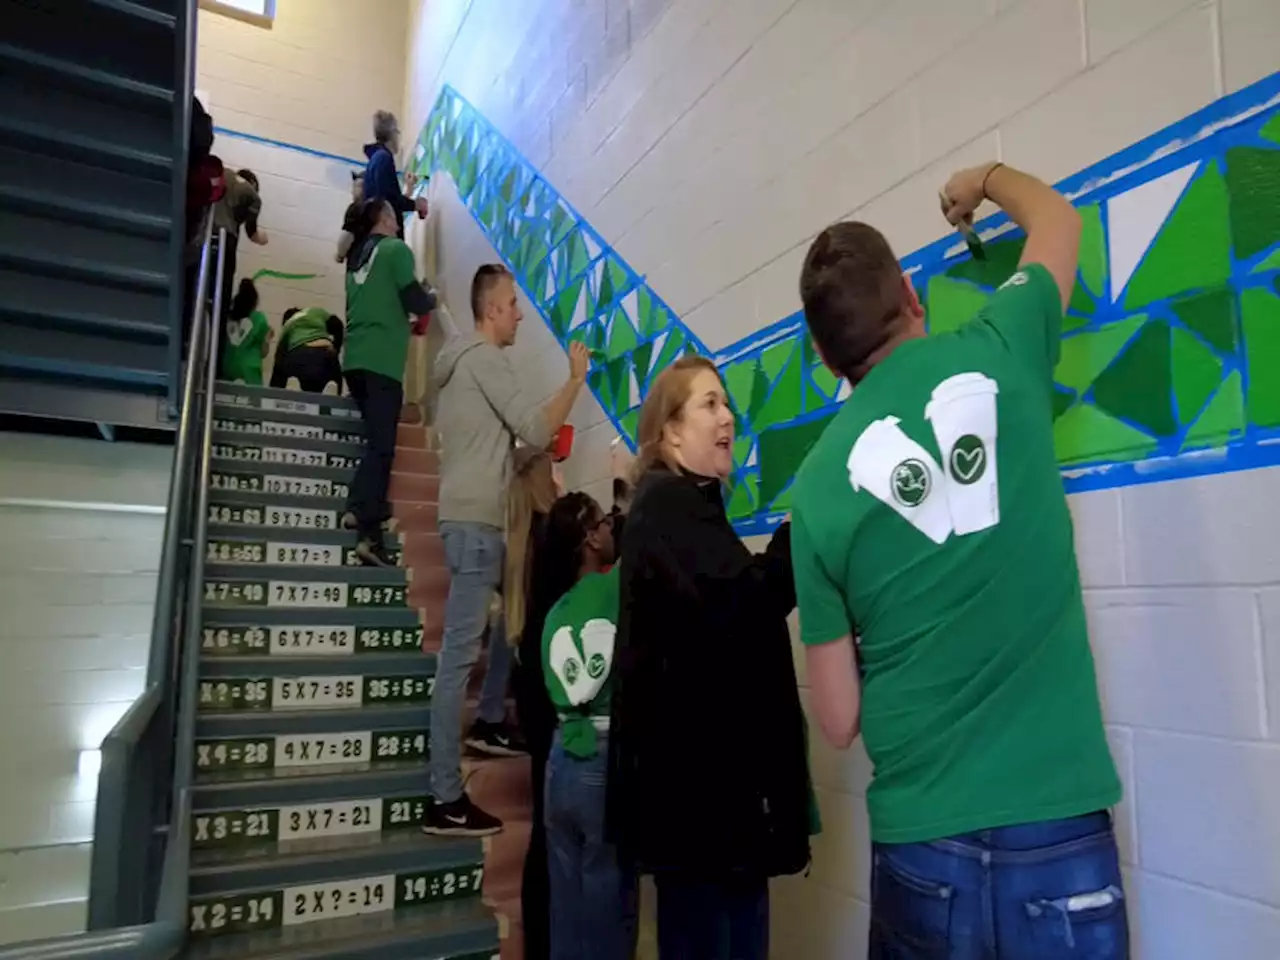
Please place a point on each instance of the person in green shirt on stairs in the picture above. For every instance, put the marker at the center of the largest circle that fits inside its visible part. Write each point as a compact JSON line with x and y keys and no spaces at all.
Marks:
{"x":593,"y":897}
{"x":384,"y":299}
{"x":310,"y":342}
{"x":929,"y":522}
{"x":248,"y":337}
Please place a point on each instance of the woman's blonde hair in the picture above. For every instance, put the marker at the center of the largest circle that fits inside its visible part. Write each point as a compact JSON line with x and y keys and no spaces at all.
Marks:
{"x":532,"y":490}
{"x":663,"y":405}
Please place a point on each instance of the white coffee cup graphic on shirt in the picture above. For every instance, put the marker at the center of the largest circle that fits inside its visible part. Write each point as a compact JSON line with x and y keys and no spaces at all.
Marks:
{"x":901,"y":474}
{"x":963,"y":414}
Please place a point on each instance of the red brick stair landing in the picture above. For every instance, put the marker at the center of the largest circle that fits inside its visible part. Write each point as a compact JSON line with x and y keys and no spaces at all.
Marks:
{"x":501,"y":786}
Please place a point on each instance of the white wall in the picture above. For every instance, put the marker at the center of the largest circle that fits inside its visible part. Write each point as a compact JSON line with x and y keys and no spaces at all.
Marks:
{"x":709,"y":140}
{"x":310,"y":84}
{"x":84,"y":521}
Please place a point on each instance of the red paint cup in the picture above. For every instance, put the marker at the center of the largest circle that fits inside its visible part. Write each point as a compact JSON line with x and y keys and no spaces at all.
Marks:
{"x":562,"y":445}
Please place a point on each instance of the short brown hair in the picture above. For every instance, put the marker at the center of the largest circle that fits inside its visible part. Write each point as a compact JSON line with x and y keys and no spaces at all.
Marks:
{"x":663,"y":404}
{"x":486,"y":278}
{"x":851,"y":288}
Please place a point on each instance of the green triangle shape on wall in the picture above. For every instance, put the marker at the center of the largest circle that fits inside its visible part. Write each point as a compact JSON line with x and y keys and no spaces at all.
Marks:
{"x":604,"y":294}
{"x":577,"y":262}
{"x":1260,"y":320}
{"x":622,"y":335}
{"x":1222,"y":419}
{"x":617,"y":274}
{"x":1085,"y":355}
{"x":1253,"y":182}
{"x":1271,"y":129}
{"x":1084,"y":434}
{"x":672,"y":348}
{"x":1271,"y":261}
{"x":741,"y":450}
{"x":759,"y":395}
{"x":629,"y":422}
{"x":1062,"y":400}
{"x":562,"y":312}
{"x":509,"y":187}
{"x":645,"y":307}
{"x":537,"y":249}
{"x":641,"y":358}
{"x":1196,"y":374}
{"x":774,"y":358}
{"x":826,"y":381}
{"x":1192,"y":249}
{"x":1212,"y":315}
{"x":1137,"y":387}
{"x":1000,"y":265}
{"x":1093,"y":250}
{"x":742,"y":503}
{"x":1081,"y":301}
{"x":1072,"y":322}
{"x":784,"y":399}
{"x":782,"y":450}
{"x":739,"y":378}
{"x":618,"y":375}
{"x":953,"y":303}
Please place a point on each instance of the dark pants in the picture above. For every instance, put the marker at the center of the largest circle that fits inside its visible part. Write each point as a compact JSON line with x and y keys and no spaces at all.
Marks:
{"x":728,"y":920}
{"x":593,"y":898}
{"x":315,"y":367}
{"x":1045,"y":890}
{"x":379,"y":399}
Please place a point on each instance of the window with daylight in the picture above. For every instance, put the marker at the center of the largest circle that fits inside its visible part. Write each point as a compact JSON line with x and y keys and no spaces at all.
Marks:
{"x":260,"y":12}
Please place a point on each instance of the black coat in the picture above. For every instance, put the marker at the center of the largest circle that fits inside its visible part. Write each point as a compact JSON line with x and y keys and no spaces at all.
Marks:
{"x":708,"y":770}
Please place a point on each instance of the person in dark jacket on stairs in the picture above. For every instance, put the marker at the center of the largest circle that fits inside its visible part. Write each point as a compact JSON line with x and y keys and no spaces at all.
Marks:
{"x":703,"y":638}
{"x":381,"y":182}
{"x":384,"y":298}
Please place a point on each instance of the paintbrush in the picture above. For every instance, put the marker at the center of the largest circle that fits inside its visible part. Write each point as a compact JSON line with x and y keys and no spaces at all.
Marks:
{"x":965,"y":226}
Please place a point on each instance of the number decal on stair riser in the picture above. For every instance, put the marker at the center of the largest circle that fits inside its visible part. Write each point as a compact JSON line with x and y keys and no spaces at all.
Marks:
{"x":286,"y":406}
{"x":249,"y":516}
{"x":269,"y":909}
{"x":291,"y":486}
{"x":312,"y":693}
{"x":302,"y":458}
{"x":310,"y":750}
{"x":308,"y":641}
{"x":286,"y":554}
{"x":287,"y":593}
{"x":231,"y":828}
{"x":269,"y":428}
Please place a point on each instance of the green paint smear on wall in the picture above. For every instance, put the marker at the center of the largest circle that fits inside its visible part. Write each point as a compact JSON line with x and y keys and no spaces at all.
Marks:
{"x":1137,"y":386}
{"x":282,"y":275}
{"x":1192,"y":250}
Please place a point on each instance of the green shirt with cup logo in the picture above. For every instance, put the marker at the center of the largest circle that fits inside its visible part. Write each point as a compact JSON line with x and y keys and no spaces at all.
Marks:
{"x":242,"y":350}
{"x":378,"y":326}
{"x":929,"y":520}
{"x":577,"y":659}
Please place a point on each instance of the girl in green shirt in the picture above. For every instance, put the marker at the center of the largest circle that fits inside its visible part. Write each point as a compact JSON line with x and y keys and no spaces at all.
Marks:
{"x":247,"y":337}
{"x":593,"y":897}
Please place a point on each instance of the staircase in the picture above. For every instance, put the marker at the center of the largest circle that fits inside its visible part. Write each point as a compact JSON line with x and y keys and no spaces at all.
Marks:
{"x":94,"y":108}
{"x":313,"y":706}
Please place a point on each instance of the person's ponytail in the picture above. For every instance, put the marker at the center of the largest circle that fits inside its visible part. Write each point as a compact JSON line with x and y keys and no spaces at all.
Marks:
{"x":245,"y":300}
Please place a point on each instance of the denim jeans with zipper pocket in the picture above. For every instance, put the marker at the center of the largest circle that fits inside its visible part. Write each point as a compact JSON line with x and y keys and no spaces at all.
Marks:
{"x":1035,"y":891}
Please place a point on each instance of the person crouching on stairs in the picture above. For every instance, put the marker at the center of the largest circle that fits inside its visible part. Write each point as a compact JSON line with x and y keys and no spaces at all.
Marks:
{"x":310,"y":341}
{"x":384,"y":299}
{"x":593,"y":896}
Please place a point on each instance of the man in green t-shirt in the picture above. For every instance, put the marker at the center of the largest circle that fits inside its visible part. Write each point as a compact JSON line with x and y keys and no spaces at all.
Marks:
{"x":593,"y":897}
{"x":929,"y":522}
{"x":384,"y":299}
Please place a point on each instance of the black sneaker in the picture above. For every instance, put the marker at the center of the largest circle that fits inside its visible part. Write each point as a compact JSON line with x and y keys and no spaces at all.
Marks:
{"x":496,"y":739}
{"x":373,"y":554}
{"x":462,"y":818}
{"x":349,"y":521}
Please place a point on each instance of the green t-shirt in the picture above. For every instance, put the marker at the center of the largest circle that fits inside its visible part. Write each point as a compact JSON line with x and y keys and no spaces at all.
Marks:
{"x":377,"y":323}
{"x":931,"y":514}
{"x":242,"y":351}
{"x":305,"y":326}
{"x":577,"y":656}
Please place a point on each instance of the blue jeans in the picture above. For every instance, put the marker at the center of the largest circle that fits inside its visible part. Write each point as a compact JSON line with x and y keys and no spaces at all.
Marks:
{"x":725,"y":920}
{"x":474,"y":552}
{"x":593,"y":899}
{"x":1046,"y":890}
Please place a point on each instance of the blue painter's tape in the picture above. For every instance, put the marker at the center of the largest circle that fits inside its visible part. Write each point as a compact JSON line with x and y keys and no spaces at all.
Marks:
{"x":282,"y":145}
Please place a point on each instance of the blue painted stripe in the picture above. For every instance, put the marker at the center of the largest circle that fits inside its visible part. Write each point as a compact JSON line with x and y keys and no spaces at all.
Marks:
{"x":281,"y":144}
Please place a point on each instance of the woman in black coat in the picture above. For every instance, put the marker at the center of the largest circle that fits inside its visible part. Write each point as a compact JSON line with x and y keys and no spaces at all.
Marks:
{"x":708,"y":781}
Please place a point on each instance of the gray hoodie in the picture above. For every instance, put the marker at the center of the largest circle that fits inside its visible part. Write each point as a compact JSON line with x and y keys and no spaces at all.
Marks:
{"x":480,"y":411}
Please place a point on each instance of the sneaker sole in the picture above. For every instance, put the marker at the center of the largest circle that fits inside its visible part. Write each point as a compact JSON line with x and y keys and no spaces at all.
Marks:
{"x":432,"y":831}
{"x":490,"y":750}
{"x":368,"y":560}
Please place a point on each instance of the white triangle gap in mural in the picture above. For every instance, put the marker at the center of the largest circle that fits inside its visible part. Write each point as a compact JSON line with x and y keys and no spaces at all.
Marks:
{"x":1135,"y":217}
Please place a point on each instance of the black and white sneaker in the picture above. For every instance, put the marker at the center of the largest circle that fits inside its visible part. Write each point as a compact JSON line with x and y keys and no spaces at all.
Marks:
{"x":496,"y":740}
{"x":461,"y":818}
{"x":373,"y":553}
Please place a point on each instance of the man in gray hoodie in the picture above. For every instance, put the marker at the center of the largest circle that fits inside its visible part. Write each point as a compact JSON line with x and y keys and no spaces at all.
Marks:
{"x":481,"y":411}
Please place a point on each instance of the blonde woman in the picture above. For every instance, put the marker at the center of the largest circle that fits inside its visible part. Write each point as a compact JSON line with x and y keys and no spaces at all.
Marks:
{"x":708,"y":784}
{"x":527,"y":597}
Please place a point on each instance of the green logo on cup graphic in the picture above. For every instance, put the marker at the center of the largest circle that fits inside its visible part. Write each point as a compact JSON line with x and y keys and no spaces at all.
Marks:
{"x":595,"y":666}
{"x":968,"y":459}
{"x":910,"y":482}
{"x":571,"y":668}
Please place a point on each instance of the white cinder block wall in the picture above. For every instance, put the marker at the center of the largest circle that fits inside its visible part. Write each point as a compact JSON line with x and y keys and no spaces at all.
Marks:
{"x":709,"y":140}
{"x":294,"y":103}
{"x":84,"y":520}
